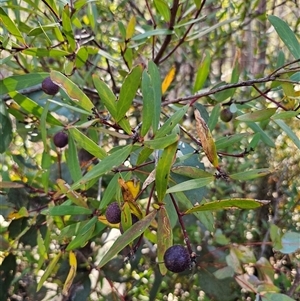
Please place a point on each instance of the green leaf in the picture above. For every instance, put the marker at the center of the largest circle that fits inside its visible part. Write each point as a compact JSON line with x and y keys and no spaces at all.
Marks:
{"x":75,"y":197}
{"x":288,"y":131}
{"x":275,"y":235}
{"x":168,"y":126}
{"x":214,"y":116}
{"x":164,"y":237}
{"x":72,"y":160}
{"x":163,"y":9}
{"x":191,"y":184}
{"x":42,"y":52}
{"x":32,"y":107}
{"x":109,"y":192}
{"x":106,"y":165}
{"x":286,"y":35}
{"x":163,"y":170}
{"x":5,"y":128}
{"x":42,"y":29}
{"x":229,"y":204}
{"x":85,"y":142}
{"x":49,"y":269}
{"x":250,"y":174}
{"x":259,"y":115}
{"x":106,"y":95}
{"x":72,"y":90}
{"x":227,"y":141}
{"x":156,"y":84}
{"x":285,"y":115}
{"x":81,"y":57}
{"x":83,"y":235}
{"x":191,"y":172}
{"x":128,"y":91}
{"x":264,"y":137}
{"x":67,"y":210}
{"x":203,"y":72}
{"x":275,"y":297}
{"x":148,"y":103}
{"x":290,"y":242}
{"x":163,"y":142}
{"x":19,"y":82}
{"x":67,"y":27}
{"x":130,"y":235}
{"x":151,"y":33}
{"x":11,"y":26}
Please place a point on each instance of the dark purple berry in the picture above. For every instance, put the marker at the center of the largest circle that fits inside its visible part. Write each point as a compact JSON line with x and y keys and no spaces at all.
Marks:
{"x":113,"y":213}
{"x":49,"y":87}
{"x":60,"y":139}
{"x":226,"y":115}
{"x":177,"y":259}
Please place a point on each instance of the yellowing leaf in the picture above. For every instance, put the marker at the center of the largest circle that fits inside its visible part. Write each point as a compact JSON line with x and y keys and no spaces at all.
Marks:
{"x":130,"y":28}
{"x":72,"y":273}
{"x":207,"y":141}
{"x":168,"y":80}
{"x":16,"y":215}
{"x":130,"y":189}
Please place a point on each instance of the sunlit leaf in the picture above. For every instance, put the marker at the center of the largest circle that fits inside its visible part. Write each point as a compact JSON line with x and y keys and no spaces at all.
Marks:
{"x":163,"y":170}
{"x":163,"y":9}
{"x":203,"y":71}
{"x":250,"y":174}
{"x":71,"y":274}
{"x":130,"y":189}
{"x":49,"y":270}
{"x":191,"y":184}
{"x":229,"y":204}
{"x":11,"y":26}
{"x":168,"y":79}
{"x":32,"y":107}
{"x":151,"y":33}
{"x":72,"y":90}
{"x":42,"y":52}
{"x":191,"y":172}
{"x":131,"y":234}
{"x":130,"y":28}
{"x":259,"y":115}
{"x":67,"y":27}
{"x":287,"y":35}
{"x":288,"y":131}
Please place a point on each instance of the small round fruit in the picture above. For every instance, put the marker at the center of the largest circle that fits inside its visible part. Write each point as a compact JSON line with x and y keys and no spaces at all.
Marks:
{"x":177,"y":259}
{"x":113,"y":213}
{"x":49,"y":87}
{"x":226,"y":115}
{"x":60,"y":139}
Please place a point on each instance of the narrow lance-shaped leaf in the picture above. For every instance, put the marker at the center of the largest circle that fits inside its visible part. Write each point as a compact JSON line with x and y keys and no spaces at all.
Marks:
{"x":229,"y":204}
{"x":156,"y":84}
{"x":67,"y":27}
{"x":168,"y":126}
{"x":5,"y":128}
{"x":168,"y":79}
{"x":72,"y":160}
{"x":286,"y":35}
{"x":71,"y":274}
{"x":106,"y":165}
{"x":259,"y":115}
{"x":250,"y":174}
{"x":131,"y":234}
{"x":163,"y":142}
{"x":49,"y":270}
{"x":32,"y":107}
{"x":75,"y":197}
{"x":191,"y":184}
{"x":164,"y":237}
{"x":163,"y":170}
{"x":203,"y":72}
{"x":67,"y":210}
{"x":73,"y":91}
{"x":148,"y":103}
{"x":11,"y":26}
{"x":206,"y":139}
{"x":163,"y":9}
{"x":289,"y":132}
{"x":128,"y":91}
{"x":130,"y":28}
{"x":86,"y":143}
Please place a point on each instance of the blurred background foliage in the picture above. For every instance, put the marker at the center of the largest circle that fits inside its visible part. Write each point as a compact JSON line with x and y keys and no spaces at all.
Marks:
{"x":209,"y":44}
